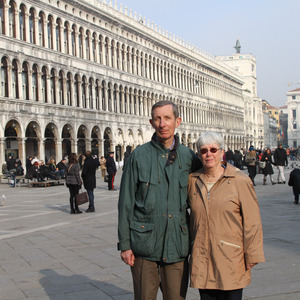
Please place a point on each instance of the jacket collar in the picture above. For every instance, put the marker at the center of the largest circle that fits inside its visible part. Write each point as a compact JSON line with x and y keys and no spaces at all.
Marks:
{"x":230,"y":171}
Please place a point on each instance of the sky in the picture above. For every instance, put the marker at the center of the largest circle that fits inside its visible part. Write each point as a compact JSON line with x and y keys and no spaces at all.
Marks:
{"x":268,"y":29}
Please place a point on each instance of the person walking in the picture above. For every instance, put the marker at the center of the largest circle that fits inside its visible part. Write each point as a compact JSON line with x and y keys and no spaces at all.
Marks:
{"x":251,"y":161}
{"x":111,"y":171}
{"x":73,"y":182}
{"x":103,"y":166}
{"x":229,"y":156}
{"x":153,"y":220}
{"x":294,"y":182}
{"x":226,"y":229}
{"x":280,"y":160}
{"x":89,"y":178}
{"x":268,"y":169}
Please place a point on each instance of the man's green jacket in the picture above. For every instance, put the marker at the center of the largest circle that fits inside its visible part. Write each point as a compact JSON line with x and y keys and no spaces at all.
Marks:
{"x":153,"y":218}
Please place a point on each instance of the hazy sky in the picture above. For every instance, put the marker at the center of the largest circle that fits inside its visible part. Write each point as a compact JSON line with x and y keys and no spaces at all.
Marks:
{"x":268,"y":29}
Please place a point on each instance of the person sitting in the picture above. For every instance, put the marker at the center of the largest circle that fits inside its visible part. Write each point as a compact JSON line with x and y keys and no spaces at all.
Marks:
{"x":62,"y":168}
{"x":36,"y":172}
{"x":17,"y":171}
{"x":54,"y":173}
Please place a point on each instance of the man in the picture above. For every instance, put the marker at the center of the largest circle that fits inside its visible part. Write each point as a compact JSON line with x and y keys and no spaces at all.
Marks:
{"x":294,"y":181}
{"x":229,"y":156}
{"x":111,"y":170}
{"x":280,"y":160}
{"x":62,"y":168}
{"x":153,"y":219}
{"x":89,"y":178}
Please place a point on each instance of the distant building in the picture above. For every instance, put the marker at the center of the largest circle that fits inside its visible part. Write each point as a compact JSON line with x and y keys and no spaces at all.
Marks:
{"x":283,"y":125}
{"x":245,"y":64}
{"x":293,"y":109}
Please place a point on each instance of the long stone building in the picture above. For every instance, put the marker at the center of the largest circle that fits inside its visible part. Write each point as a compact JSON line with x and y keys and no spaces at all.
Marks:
{"x":79,"y":75}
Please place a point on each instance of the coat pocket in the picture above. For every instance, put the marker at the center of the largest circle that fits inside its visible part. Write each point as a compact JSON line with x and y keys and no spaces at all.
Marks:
{"x":142,"y":238}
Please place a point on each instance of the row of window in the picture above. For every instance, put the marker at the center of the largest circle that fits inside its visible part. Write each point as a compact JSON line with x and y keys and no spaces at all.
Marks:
{"x":41,"y":85}
{"x":45,"y":31}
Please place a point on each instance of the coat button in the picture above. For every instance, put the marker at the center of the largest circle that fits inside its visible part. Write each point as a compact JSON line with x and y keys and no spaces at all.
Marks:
{"x":170,"y":216}
{"x":165,"y":259}
{"x":142,"y":226}
{"x":164,"y":215}
{"x":163,"y":156}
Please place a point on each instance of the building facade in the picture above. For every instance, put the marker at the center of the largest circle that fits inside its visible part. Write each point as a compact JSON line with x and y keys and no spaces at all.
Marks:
{"x":79,"y":76}
{"x":293,"y":110}
{"x":245,"y":64}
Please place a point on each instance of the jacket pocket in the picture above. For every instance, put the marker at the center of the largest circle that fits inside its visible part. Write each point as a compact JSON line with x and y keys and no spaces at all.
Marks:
{"x":183,"y":182}
{"x":183,"y":241}
{"x":142,"y":238}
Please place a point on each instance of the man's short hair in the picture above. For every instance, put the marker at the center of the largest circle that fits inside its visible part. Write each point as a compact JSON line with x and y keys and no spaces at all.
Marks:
{"x":164,"y":103}
{"x":88,"y":153}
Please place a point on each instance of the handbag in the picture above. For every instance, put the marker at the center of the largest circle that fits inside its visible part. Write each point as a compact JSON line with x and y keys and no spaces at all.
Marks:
{"x":82,"y":198}
{"x":106,"y":178}
{"x":262,"y":164}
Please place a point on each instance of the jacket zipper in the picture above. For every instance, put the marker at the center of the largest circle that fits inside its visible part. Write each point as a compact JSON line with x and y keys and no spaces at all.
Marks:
{"x":229,"y":244}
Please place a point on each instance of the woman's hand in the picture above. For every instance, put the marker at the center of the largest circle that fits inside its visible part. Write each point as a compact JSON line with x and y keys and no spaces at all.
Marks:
{"x":128,"y":257}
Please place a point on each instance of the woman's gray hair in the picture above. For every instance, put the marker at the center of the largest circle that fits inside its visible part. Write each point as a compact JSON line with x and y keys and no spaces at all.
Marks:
{"x":210,"y":138}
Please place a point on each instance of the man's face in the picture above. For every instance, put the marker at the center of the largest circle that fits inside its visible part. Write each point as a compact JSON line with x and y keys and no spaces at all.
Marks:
{"x":164,"y":122}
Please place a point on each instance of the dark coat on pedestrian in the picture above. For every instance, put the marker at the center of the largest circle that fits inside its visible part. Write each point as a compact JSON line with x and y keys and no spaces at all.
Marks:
{"x":268,"y":170}
{"x":111,"y":166}
{"x":89,"y":172}
{"x":294,"y":180}
{"x":280,"y":157}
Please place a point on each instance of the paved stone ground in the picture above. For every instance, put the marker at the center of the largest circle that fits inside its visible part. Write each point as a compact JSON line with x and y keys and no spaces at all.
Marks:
{"x":46,"y":253}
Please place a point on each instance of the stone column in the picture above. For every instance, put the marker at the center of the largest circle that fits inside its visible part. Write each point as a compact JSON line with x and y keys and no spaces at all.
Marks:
{"x":27,"y":33}
{"x":109,"y":56}
{"x":117,"y":100}
{"x":2,"y":152}
{"x":17,"y":23}
{"x":58,"y":149}
{"x":105,"y":96}
{"x":22,"y":149}
{"x":122,"y":108}
{"x":6,"y":18}
{"x":41,"y":148}
{"x":114,"y":56}
{"x":30,"y":96}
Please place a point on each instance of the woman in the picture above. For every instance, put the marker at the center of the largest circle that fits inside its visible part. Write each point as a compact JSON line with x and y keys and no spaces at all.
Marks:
{"x":251,"y":161}
{"x":103,"y":166}
{"x":73,"y":182}
{"x":268,"y":169}
{"x":226,"y":230}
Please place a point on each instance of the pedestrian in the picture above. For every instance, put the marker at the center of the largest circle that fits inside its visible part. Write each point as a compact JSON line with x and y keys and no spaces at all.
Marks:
{"x":229,"y":156}
{"x":268,"y":169}
{"x":89,"y":178}
{"x":251,"y":161}
{"x":153,"y":220}
{"x":111,"y":171}
{"x":73,"y":182}
{"x":103,"y":166}
{"x":226,"y":230}
{"x":238,"y":158}
{"x":294,"y":181}
{"x":280,"y":160}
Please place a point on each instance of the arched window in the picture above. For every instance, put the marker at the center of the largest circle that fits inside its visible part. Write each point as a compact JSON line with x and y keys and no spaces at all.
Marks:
{"x":52,"y":87}
{"x":97,"y":94}
{"x":80,"y":42}
{"x":61,"y":88}
{"x":25,"y":88}
{"x":44,"y":85}
{"x":12,"y":19}
{"x":94,"y":43}
{"x":57,"y":35}
{"x":76,"y":90}
{"x":69,"y":89}
{"x":2,"y":21}
{"x":87,"y":45}
{"x":109,"y":95}
{"x":90,"y":93}
{"x":73,"y":42}
{"x":22,"y":27}
{"x":66,"y":38}
{"x":32,"y":26}
{"x":50,"y":32}
{"x":112,"y":47}
{"x":4,"y":78}
{"x":34,"y":79}
{"x":41,"y":29}
{"x":83,"y":91}
{"x":106,"y":52}
{"x":15,"y":79}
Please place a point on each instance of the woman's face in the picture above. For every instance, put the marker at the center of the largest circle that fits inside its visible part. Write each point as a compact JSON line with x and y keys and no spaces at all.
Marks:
{"x":208,"y":158}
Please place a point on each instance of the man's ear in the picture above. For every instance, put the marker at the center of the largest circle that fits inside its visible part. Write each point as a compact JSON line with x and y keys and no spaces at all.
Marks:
{"x":178,"y":121}
{"x":151,"y":122}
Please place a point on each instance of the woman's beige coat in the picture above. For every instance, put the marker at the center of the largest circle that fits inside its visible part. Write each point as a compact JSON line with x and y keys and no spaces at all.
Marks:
{"x":226,"y":231}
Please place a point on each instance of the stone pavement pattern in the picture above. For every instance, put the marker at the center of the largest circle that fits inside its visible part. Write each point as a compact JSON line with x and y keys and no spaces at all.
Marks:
{"x":46,"y":253}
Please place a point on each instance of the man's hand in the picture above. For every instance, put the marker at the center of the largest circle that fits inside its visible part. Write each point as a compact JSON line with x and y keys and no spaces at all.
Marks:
{"x":128,"y":257}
